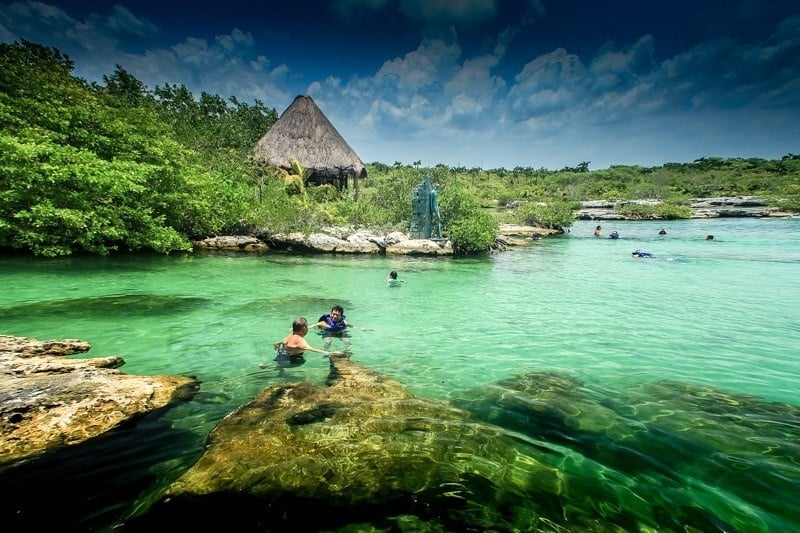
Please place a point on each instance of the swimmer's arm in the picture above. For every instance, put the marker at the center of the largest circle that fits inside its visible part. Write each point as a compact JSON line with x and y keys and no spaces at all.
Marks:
{"x":323,"y":352}
{"x":307,"y":347}
{"x":317,"y":350}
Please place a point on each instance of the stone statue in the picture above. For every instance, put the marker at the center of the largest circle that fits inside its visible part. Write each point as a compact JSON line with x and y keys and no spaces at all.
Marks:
{"x":426,"y":222}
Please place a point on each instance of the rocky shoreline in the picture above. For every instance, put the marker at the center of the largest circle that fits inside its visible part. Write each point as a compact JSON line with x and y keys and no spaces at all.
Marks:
{"x":50,"y":402}
{"x":712,"y":207}
{"x":359,"y":241}
{"x":333,"y":240}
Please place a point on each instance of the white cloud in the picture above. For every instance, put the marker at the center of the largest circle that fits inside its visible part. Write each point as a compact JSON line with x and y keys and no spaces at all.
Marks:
{"x":619,"y":67}
{"x":420,"y":69}
{"x":123,"y":22}
{"x":435,"y":103}
{"x":229,"y":66}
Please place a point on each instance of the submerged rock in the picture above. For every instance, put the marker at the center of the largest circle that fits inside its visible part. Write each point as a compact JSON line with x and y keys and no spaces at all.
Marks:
{"x":48,"y":401}
{"x":362,"y":449}
{"x":535,"y":452}
{"x":651,"y":437}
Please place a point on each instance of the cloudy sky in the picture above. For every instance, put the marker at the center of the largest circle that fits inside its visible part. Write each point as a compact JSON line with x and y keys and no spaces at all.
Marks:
{"x":475,"y":83}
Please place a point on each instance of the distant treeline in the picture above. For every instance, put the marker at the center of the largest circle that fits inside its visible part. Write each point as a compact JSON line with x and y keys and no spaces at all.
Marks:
{"x":776,"y":180}
{"x":117,"y":167}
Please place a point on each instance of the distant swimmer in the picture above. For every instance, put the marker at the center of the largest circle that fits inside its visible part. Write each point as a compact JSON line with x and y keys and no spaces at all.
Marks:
{"x":642,"y":253}
{"x":392,"y":280}
{"x":597,"y":231}
{"x":662,"y":231}
{"x":709,"y":237}
{"x":613,"y":235}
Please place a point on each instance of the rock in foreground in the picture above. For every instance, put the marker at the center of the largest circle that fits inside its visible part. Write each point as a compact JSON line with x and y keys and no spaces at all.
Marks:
{"x":301,"y":457}
{"x":48,"y":401}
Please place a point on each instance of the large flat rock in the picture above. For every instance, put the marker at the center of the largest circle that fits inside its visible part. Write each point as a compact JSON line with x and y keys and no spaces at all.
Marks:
{"x":303,"y":457}
{"x":48,"y":401}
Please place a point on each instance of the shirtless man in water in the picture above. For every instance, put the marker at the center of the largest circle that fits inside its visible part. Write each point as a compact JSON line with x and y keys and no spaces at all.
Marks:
{"x":291,"y":349}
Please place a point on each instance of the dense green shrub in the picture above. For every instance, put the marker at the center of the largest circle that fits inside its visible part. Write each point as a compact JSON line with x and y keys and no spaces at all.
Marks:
{"x":555,"y":215}
{"x":470,"y":229}
{"x":83,"y":169}
{"x":660,"y":211}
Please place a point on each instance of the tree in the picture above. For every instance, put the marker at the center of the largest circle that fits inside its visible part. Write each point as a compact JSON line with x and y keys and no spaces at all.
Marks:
{"x":81,"y":172}
{"x":296,"y":178}
{"x":124,"y":86}
{"x":470,"y":229}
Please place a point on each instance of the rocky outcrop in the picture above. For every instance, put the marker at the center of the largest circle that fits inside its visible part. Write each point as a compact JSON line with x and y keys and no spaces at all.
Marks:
{"x":724,"y":206}
{"x":358,"y":243}
{"x":302,"y":457}
{"x":329,"y":241}
{"x":350,"y":241}
{"x":539,"y":451}
{"x":727,"y":206}
{"x":48,"y":401}
{"x":526,"y":232}
{"x":232,"y":243}
{"x":421,"y":247}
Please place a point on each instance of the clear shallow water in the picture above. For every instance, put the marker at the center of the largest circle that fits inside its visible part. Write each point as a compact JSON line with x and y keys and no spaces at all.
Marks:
{"x":718,"y":313}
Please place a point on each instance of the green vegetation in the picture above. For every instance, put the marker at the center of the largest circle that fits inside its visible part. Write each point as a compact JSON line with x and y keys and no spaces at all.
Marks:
{"x":555,"y":215}
{"x":109,"y":167}
{"x":665,"y":211}
{"x":99,"y":169}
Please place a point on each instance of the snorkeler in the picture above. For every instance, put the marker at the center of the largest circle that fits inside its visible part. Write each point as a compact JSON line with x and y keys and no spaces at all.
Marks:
{"x":641,"y":253}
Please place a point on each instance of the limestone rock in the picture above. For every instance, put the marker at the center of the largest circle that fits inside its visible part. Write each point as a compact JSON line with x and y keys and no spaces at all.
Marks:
{"x":48,"y":401}
{"x":354,"y":244}
{"x":302,"y":457}
{"x":714,"y":207}
{"x":420,"y":247}
{"x":395,"y":237}
{"x":365,"y":238}
{"x":233,"y":243}
{"x":514,"y":230}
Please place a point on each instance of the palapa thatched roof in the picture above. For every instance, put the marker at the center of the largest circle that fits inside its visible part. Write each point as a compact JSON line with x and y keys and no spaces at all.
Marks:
{"x":304,"y":133}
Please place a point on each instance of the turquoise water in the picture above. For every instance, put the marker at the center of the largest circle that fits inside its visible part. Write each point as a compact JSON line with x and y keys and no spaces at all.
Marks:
{"x":720,"y":313}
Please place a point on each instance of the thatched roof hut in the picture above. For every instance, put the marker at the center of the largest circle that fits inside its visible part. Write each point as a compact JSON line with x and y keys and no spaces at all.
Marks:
{"x":304,"y":133}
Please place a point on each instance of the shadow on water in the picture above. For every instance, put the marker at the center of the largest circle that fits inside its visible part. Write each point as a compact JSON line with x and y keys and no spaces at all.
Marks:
{"x":88,"y":486}
{"x":107,"y":306}
{"x":291,"y":306}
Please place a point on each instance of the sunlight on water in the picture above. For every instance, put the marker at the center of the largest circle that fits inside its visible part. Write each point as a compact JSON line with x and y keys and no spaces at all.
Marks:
{"x":719,"y":313}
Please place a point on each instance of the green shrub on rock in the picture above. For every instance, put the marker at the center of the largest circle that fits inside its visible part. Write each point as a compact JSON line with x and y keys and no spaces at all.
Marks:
{"x":471,"y":230}
{"x":661,"y":211}
{"x":554,"y":215}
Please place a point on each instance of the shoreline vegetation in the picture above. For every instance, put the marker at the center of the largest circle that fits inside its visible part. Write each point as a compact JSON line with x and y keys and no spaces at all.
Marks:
{"x":102,"y":168}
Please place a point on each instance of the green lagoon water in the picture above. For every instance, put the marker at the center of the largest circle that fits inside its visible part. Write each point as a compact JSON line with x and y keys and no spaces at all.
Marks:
{"x":698,"y":348}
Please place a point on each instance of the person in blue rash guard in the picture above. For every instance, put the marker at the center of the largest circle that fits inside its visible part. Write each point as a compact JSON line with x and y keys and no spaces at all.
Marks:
{"x":332,"y":325}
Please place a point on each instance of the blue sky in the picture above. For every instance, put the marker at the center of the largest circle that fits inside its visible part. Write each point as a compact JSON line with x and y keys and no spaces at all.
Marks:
{"x":475,"y":83}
